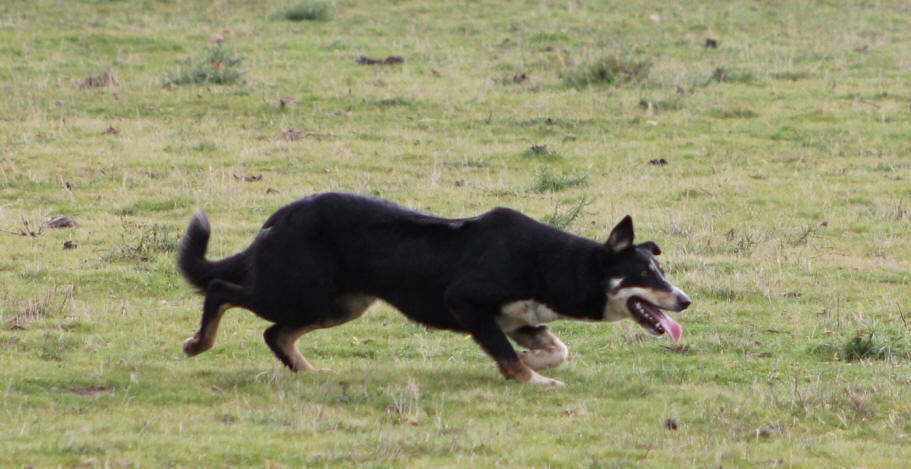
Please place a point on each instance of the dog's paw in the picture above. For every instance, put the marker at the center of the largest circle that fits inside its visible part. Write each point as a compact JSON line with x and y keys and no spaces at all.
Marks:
{"x":550,"y":357}
{"x":539,"y":380}
{"x":541,"y":359}
{"x":193,"y":346}
{"x":298,"y":364}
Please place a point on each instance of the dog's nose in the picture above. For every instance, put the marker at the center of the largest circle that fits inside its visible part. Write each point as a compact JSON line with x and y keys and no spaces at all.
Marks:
{"x":685,"y":303}
{"x":683,"y":300}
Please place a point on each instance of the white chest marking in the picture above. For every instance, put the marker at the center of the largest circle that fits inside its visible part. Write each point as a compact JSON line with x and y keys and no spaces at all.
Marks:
{"x":525,"y":313}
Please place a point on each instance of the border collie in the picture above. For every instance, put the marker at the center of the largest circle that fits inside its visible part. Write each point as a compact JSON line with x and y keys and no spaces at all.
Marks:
{"x":323,"y":260}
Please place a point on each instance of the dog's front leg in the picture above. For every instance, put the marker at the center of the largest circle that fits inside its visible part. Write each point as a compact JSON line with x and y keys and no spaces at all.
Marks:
{"x":545,"y":350}
{"x":481,"y":324}
{"x":492,"y":339}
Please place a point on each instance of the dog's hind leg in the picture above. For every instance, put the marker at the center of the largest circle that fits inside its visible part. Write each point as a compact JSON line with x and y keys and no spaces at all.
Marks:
{"x":545,"y":350}
{"x":281,"y":340}
{"x":220,"y":296}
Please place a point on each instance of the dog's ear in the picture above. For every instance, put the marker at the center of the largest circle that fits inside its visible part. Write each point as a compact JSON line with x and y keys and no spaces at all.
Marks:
{"x":650,"y":246}
{"x":621,"y":237}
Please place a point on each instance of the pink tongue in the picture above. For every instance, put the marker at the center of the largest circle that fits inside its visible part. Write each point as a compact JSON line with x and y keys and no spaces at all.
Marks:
{"x":673,"y":329}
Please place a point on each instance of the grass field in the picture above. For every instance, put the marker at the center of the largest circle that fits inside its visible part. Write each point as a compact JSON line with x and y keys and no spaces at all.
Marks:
{"x":772,"y":169}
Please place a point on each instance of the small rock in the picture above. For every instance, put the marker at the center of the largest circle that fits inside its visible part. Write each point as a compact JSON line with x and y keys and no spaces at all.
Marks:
{"x":89,"y":390}
{"x":390,"y":60}
{"x":291,"y":135}
{"x":65,"y":221}
{"x":711,"y":43}
{"x":670,"y":424}
{"x":105,"y":80}
{"x":658,"y":162}
{"x":69,"y":245}
{"x":285,"y":101}
{"x":248,"y":177}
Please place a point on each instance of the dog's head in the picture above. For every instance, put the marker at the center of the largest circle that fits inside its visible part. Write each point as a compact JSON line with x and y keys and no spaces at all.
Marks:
{"x":635,"y":283}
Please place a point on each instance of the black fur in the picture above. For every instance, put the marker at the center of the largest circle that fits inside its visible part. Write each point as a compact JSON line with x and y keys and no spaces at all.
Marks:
{"x":193,"y":265}
{"x":313,"y":255}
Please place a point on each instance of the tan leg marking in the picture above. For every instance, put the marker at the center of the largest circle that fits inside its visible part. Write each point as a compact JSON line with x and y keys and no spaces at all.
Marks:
{"x":204,"y":338}
{"x":282,"y":344}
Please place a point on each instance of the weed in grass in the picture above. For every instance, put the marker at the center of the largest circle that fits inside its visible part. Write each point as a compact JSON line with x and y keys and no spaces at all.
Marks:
{"x":608,"y":71}
{"x":514,"y":79}
{"x":105,"y":80}
{"x":310,"y":10}
{"x":140,"y":242}
{"x":405,"y":406}
{"x":54,"y":303}
{"x":723,"y":75}
{"x":804,"y":235}
{"x":217,"y":66}
{"x":790,"y":76}
{"x":744,"y":244}
{"x":55,"y":346}
{"x":468,"y":163}
{"x":397,"y":101}
{"x":868,"y":346}
{"x":541,"y":151}
{"x":732,"y":113}
{"x":652,"y":106}
{"x":864,"y":345}
{"x":546,"y":181}
{"x":204,"y":147}
{"x":561,"y":219}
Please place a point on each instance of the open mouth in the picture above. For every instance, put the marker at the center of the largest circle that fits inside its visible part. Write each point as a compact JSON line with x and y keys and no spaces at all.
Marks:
{"x":652,"y":319}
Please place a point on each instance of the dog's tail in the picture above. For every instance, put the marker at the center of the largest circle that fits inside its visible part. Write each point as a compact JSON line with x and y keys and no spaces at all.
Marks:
{"x":191,"y":257}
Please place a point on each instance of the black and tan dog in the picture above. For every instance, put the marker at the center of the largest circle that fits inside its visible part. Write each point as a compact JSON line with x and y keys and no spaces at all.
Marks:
{"x":323,"y":260}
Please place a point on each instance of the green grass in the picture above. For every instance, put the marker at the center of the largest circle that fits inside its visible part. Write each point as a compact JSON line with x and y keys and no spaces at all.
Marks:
{"x":308,"y":11}
{"x":608,"y":71}
{"x":783,"y":209}
{"x":547,"y":181}
{"x":217,"y":66}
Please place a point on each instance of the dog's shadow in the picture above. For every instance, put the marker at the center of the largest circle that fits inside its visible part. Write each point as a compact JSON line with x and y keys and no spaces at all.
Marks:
{"x":351,"y":385}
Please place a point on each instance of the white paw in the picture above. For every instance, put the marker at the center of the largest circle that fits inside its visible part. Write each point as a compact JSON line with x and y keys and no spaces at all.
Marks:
{"x":540,"y":359}
{"x":539,"y":380}
{"x":548,"y":357}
